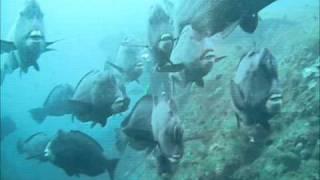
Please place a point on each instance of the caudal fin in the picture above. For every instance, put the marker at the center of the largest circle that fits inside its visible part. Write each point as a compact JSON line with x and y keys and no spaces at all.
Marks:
{"x":38,"y":114}
{"x":111,"y":167}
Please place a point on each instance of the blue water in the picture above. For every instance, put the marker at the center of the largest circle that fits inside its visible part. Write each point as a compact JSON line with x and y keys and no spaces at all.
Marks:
{"x":90,"y":31}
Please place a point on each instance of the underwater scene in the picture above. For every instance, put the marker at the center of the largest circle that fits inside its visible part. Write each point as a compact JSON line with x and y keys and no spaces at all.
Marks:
{"x":160,"y":90}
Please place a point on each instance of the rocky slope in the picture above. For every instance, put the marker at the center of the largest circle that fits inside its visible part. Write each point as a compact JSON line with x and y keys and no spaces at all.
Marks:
{"x":291,"y":150}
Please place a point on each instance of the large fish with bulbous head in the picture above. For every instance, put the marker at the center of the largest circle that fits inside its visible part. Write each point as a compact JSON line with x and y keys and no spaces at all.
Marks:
{"x":255,"y":88}
{"x":27,"y":43}
{"x":98,"y":95}
{"x":78,"y":153}
{"x":210,"y":17}
{"x":128,"y":62}
{"x":161,"y":40}
{"x":56,"y":103}
{"x":195,"y":52}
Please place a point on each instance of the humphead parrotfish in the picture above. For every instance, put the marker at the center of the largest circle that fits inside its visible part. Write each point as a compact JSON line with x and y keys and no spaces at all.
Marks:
{"x":255,"y":88}
{"x":161,"y":39}
{"x":209,"y":17}
{"x":154,"y":125}
{"x":128,"y":62}
{"x":56,"y":103}
{"x":27,"y":43}
{"x":78,"y":153}
{"x":97,"y":96}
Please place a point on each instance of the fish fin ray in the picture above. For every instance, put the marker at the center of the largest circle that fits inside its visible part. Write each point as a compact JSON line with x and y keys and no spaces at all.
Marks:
{"x":7,"y":46}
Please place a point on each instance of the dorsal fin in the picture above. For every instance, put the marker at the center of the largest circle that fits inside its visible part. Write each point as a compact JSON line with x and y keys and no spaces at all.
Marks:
{"x":83,"y":77}
{"x":118,"y":68}
{"x":7,"y":46}
{"x":52,"y":42}
{"x":125,"y":122}
{"x":89,"y":138}
{"x":32,"y":136}
{"x":49,"y":95}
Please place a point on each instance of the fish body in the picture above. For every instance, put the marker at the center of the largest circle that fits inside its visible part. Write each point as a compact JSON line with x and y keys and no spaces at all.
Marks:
{"x":255,"y":88}
{"x":56,"y":103}
{"x":28,"y":41}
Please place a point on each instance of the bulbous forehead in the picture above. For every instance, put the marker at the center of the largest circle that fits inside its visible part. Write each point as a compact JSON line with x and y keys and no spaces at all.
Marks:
{"x":31,"y":9}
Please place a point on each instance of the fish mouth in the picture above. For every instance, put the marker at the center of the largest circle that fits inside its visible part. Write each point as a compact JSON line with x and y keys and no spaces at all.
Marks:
{"x":273,"y":104}
{"x":207,"y":55}
{"x":120,"y":104}
{"x":175,"y":158}
{"x":36,"y":35}
{"x":48,"y":153}
{"x":275,"y":97}
{"x":166,"y":37}
{"x":146,"y":57}
{"x":139,"y":65}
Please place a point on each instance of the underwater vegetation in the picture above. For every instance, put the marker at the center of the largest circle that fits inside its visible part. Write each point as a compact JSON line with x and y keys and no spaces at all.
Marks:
{"x":208,"y":90}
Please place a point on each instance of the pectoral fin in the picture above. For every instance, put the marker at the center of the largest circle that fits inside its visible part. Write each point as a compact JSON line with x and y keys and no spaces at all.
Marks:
{"x":200,"y":83}
{"x":249,"y":23}
{"x":36,"y":66}
{"x":7,"y":46}
{"x":51,"y":42}
{"x":171,"y":68}
{"x":219,"y":58}
{"x":49,"y":49}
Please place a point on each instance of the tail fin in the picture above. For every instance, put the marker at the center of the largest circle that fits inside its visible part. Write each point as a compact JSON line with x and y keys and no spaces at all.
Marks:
{"x":38,"y":114}
{"x":111,"y":167}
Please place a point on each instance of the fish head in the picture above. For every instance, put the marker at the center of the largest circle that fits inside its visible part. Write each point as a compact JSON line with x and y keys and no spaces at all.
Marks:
{"x":274,"y":101}
{"x":171,"y":141}
{"x":34,"y":145}
{"x":259,"y":80}
{"x":121,"y":101}
{"x":165,"y":43}
{"x":194,"y":50}
{"x":29,"y":31}
{"x":168,"y":130}
{"x":138,"y":68}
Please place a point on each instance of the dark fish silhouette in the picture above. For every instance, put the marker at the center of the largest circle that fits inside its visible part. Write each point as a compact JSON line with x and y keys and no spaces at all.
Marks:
{"x":255,"y":88}
{"x":56,"y":103}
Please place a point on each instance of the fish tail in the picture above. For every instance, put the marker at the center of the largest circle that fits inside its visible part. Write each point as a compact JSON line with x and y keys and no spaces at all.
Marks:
{"x":111,"y":167}
{"x":38,"y":114}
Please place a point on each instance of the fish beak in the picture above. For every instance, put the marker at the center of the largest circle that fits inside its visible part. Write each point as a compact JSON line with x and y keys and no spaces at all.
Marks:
{"x":208,"y":56}
{"x":175,"y":158}
{"x":139,"y":65}
{"x":166,"y":43}
{"x":47,"y":152}
{"x":119,"y":105}
{"x":36,"y":35}
{"x":273,"y":104}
